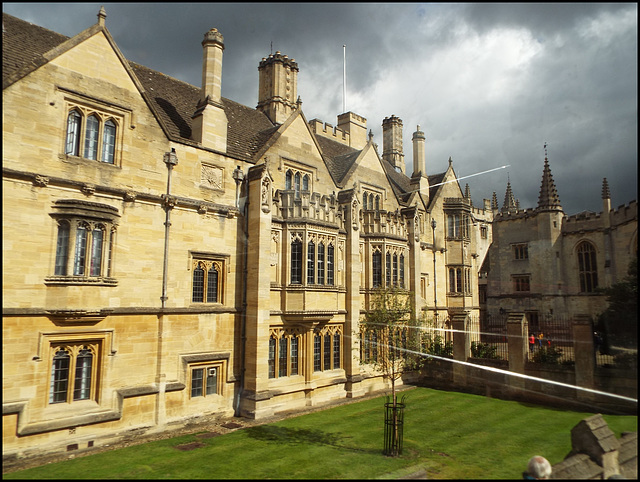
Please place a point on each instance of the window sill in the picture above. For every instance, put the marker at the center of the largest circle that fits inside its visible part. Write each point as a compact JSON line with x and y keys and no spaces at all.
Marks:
{"x":79,"y":280}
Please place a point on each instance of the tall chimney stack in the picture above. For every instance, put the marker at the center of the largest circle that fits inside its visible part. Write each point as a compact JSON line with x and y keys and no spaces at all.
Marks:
{"x":419,"y":166}
{"x":392,"y":142}
{"x":278,"y":87}
{"x":210,"y":121}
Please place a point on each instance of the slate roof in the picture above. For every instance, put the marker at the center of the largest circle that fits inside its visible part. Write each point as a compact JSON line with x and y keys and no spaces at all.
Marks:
{"x":24,"y":47}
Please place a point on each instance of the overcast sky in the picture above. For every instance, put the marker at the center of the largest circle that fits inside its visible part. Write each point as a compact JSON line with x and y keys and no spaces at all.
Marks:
{"x":489,"y":84}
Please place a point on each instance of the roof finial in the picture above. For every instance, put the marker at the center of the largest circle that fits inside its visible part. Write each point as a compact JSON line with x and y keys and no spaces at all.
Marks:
{"x":548,"y":200}
{"x":102,"y":16}
{"x":606,"y":194}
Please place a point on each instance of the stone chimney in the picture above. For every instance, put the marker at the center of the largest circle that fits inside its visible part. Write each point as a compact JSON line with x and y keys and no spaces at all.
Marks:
{"x":278,"y":87}
{"x":210,"y":121}
{"x":356,"y":127}
{"x":392,"y":142}
{"x":419,"y":167}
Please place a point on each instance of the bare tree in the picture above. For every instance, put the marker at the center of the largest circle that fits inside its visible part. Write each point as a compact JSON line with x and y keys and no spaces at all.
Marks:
{"x":390,"y":342}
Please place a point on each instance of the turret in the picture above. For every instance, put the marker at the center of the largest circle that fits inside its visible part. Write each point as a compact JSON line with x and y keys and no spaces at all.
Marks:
{"x":606,"y":204}
{"x":210,"y":121}
{"x":278,"y":87}
{"x":392,"y":151}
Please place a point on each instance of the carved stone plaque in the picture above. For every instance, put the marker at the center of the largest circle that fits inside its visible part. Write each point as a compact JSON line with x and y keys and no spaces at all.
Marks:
{"x":211,"y":177}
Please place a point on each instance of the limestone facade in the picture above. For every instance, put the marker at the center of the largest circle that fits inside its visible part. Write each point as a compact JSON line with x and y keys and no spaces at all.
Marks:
{"x":171,"y":254}
{"x":547,"y":264}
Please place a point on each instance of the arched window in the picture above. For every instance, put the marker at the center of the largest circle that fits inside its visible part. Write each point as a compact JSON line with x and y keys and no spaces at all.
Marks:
{"x":212,"y":284}
{"x":272,"y":356}
{"x":311,"y":255}
{"x":109,"y":142}
{"x":74,"y":121}
{"x":287,"y":180}
{"x":97,"y":237}
{"x":587,"y":267}
{"x":364,"y":200}
{"x":82,"y":382}
{"x":330,"y":265}
{"x":294,"y":355}
{"x":62,"y":249}
{"x":198,"y":284}
{"x":395,"y":269}
{"x":336,"y":350}
{"x":327,"y":352}
{"x":305,"y":182}
{"x":296,"y":181}
{"x":80,"y":258}
{"x":320,"y":280}
{"x":72,"y":374}
{"x":377,"y":203}
{"x":317,"y":352}
{"x":402,"y":271}
{"x":91,"y":137}
{"x":282,"y":357}
{"x":388,"y":269}
{"x":296,"y":262}
{"x":60,"y":376}
{"x":377,"y":269}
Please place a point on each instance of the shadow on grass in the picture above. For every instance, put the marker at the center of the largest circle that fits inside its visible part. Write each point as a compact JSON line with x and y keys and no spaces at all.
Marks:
{"x":300,"y":436}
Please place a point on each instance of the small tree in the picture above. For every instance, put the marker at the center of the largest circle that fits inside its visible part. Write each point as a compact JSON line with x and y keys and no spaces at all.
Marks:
{"x":391,"y":327}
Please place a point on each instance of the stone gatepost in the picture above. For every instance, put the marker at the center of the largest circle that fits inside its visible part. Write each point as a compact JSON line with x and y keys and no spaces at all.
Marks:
{"x":517,"y":333}
{"x":461,"y":347}
{"x":582,"y":327}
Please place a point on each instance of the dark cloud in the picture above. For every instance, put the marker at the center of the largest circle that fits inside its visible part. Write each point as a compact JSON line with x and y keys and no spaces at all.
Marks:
{"x":489,"y":84}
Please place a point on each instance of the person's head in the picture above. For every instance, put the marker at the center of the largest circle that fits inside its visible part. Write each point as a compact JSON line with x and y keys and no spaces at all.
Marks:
{"x":539,"y":467}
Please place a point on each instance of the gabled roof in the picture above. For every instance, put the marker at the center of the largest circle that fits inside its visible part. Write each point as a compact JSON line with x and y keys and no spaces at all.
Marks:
{"x":249,"y":131}
{"x":24,"y":45}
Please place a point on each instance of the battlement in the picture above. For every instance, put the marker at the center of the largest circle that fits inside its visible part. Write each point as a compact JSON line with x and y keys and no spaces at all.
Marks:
{"x":624,"y":213}
{"x":320,"y":128}
{"x":517,"y":214}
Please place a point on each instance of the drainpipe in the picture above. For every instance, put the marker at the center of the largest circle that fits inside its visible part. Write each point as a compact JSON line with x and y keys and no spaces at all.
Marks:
{"x":435,"y":289}
{"x":171,"y":160}
{"x":238,"y":177}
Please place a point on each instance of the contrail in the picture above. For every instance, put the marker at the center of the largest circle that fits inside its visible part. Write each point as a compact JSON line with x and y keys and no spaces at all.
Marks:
{"x":463,"y":177}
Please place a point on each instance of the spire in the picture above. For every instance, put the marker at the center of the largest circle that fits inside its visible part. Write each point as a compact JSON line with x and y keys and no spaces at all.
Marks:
{"x":467,"y":191}
{"x":548,"y":199}
{"x":605,"y":189}
{"x":494,"y":201}
{"x":509,"y":200}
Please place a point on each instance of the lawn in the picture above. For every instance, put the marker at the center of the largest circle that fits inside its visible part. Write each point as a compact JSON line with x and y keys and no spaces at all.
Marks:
{"x":449,"y":435}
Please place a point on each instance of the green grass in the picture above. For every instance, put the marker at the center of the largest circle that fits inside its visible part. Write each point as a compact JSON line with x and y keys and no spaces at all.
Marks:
{"x":449,"y":435}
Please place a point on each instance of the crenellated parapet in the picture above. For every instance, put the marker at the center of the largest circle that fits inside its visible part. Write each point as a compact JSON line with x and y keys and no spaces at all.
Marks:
{"x":624,"y":213}
{"x":325,"y":129}
{"x":517,"y":214}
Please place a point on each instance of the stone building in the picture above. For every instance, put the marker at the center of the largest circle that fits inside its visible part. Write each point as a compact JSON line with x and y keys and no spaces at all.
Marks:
{"x":170,"y":254}
{"x":547,"y":264}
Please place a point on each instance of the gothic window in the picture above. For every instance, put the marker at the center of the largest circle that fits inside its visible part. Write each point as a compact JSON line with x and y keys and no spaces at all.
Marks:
{"x":91,"y":137}
{"x":327,"y":351}
{"x":320,"y":280}
{"x":453,"y":225}
{"x":84,"y":242}
{"x":377,"y":269}
{"x":336,"y":351}
{"x":74,"y":123}
{"x":272,"y":357}
{"x":296,"y":262}
{"x":377,"y":203}
{"x":317,"y":351}
{"x":330,"y":265}
{"x":296,"y":184}
{"x":73,"y":372}
{"x":207,"y":281}
{"x":287,"y":180}
{"x":587,"y":267}
{"x":95,"y":131}
{"x":305,"y":182}
{"x":311,"y":253}
{"x":294,"y":355}
{"x":395,"y":269}
{"x":282,"y":357}
{"x":365,"y":197}
{"x":388,"y":269}
{"x":402,"y":271}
